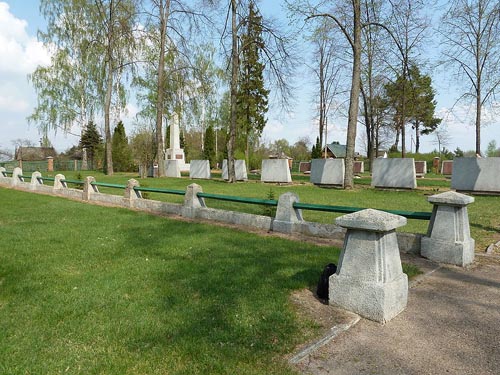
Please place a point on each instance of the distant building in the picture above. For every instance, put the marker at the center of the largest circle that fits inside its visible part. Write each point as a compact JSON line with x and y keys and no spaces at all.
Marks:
{"x":34,"y":153}
{"x":335,"y":150}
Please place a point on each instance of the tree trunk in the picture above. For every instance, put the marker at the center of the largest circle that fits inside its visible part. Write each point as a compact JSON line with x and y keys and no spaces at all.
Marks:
{"x":234,"y":91}
{"x":417,"y":137}
{"x":354,"y":98}
{"x":478,"y":122}
{"x":164,"y":12}
{"x":109,"y":91}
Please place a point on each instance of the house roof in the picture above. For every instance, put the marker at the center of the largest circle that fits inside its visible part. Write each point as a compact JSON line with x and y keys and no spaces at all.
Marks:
{"x":338,"y":150}
{"x":35,"y":153}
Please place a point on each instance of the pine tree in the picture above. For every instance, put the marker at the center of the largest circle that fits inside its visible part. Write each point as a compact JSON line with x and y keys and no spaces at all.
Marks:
{"x":122,"y":154}
{"x":91,"y":140}
{"x":209,"y":146}
{"x":252,"y":96}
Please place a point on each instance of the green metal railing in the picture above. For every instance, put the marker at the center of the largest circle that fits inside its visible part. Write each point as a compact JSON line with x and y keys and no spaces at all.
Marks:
{"x":157,"y":190}
{"x":106,"y":184}
{"x":76,"y":182}
{"x":347,"y":210}
{"x":229,"y":198}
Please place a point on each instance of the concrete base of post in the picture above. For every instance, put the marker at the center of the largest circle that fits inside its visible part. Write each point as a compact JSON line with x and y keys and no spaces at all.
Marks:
{"x":192,"y":202}
{"x":88,"y":188}
{"x":131,"y":194}
{"x":287,"y":217}
{"x":370,"y":279}
{"x":448,"y":238}
{"x":16,"y":176}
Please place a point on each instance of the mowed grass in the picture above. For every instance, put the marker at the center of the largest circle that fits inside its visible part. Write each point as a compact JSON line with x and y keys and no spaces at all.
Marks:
{"x":95,"y":290}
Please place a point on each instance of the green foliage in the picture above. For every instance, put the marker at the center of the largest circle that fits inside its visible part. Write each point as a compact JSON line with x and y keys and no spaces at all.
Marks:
{"x":316,"y":150}
{"x":91,"y":140}
{"x":209,"y":146}
{"x":492,"y":149}
{"x":458,"y":152}
{"x":270,"y":210}
{"x":122,"y":154}
{"x":143,"y":149}
{"x":252,"y":96}
{"x":414,"y":95}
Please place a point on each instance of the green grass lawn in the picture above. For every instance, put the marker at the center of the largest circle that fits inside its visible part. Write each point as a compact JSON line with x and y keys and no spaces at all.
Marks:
{"x":95,"y":290}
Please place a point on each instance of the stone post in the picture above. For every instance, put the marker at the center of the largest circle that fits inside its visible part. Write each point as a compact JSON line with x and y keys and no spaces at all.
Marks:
{"x":287,"y":217}
{"x":448,"y":238}
{"x":35,"y":181}
{"x":370,"y":279}
{"x":192,"y":202}
{"x":58,"y":182}
{"x":50,"y":164}
{"x":16,"y":176}
{"x":89,"y":189}
{"x":131,"y":194}
{"x":2,"y":170}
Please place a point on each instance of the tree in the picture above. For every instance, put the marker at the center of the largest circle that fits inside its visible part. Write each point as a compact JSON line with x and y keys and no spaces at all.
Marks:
{"x":122,"y":155}
{"x":115,"y":39}
{"x":252,"y":102}
{"x":316,"y":149}
{"x":327,"y":71}
{"x":492,"y":149}
{"x":142,"y":144}
{"x":209,"y":146}
{"x":351,"y":29}
{"x":60,"y":105}
{"x":276,"y":56}
{"x":91,"y":140}
{"x":411,"y":99}
{"x":470,"y":32}
{"x":407,"y":27}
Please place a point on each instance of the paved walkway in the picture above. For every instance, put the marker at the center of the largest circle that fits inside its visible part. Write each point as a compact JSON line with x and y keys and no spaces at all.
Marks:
{"x":450,"y":326}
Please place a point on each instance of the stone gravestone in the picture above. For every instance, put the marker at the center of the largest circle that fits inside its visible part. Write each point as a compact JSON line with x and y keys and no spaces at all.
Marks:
{"x":275,"y":170}
{"x":420,"y":168}
{"x":327,"y":172}
{"x":447,"y":167}
{"x":358,"y":166}
{"x":240,"y":170}
{"x":476,"y":175}
{"x":394,"y":173}
{"x":172,"y":168}
{"x":200,"y":169}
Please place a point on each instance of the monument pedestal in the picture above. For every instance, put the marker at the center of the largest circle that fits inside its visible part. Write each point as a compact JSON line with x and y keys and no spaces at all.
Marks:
{"x":370,"y":279}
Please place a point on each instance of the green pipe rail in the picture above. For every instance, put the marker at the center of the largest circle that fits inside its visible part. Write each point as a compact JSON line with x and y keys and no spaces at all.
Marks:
{"x":265,"y":202}
{"x":106,"y":184}
{"x":345,"y":209}
{"x":158,"y":190}
{"x":45,"y":178}
{"x":76,"y":182}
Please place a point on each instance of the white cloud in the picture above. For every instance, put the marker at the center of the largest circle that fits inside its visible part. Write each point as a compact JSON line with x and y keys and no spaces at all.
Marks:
{"x":21,"y":53}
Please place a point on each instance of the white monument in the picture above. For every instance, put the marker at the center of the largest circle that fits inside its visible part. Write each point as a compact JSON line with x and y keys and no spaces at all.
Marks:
{"x":175,"y":152}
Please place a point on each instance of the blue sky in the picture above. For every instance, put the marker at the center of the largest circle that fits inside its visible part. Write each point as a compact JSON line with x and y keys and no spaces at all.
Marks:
{"x":21,"y":53}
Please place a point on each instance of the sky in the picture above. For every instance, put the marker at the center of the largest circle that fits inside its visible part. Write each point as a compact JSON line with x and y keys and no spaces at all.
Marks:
{"x":21,"y":53}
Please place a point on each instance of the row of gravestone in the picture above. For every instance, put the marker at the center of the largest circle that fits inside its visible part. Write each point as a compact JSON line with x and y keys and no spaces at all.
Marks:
{"x":469,"y":174}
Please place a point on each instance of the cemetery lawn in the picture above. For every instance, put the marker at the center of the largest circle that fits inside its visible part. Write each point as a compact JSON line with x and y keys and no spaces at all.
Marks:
{"x":96,"y":290}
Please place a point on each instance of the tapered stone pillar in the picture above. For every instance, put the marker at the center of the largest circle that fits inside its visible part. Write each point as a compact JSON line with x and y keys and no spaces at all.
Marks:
{"x":370,"y":279}
{"x":448,"y":238}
